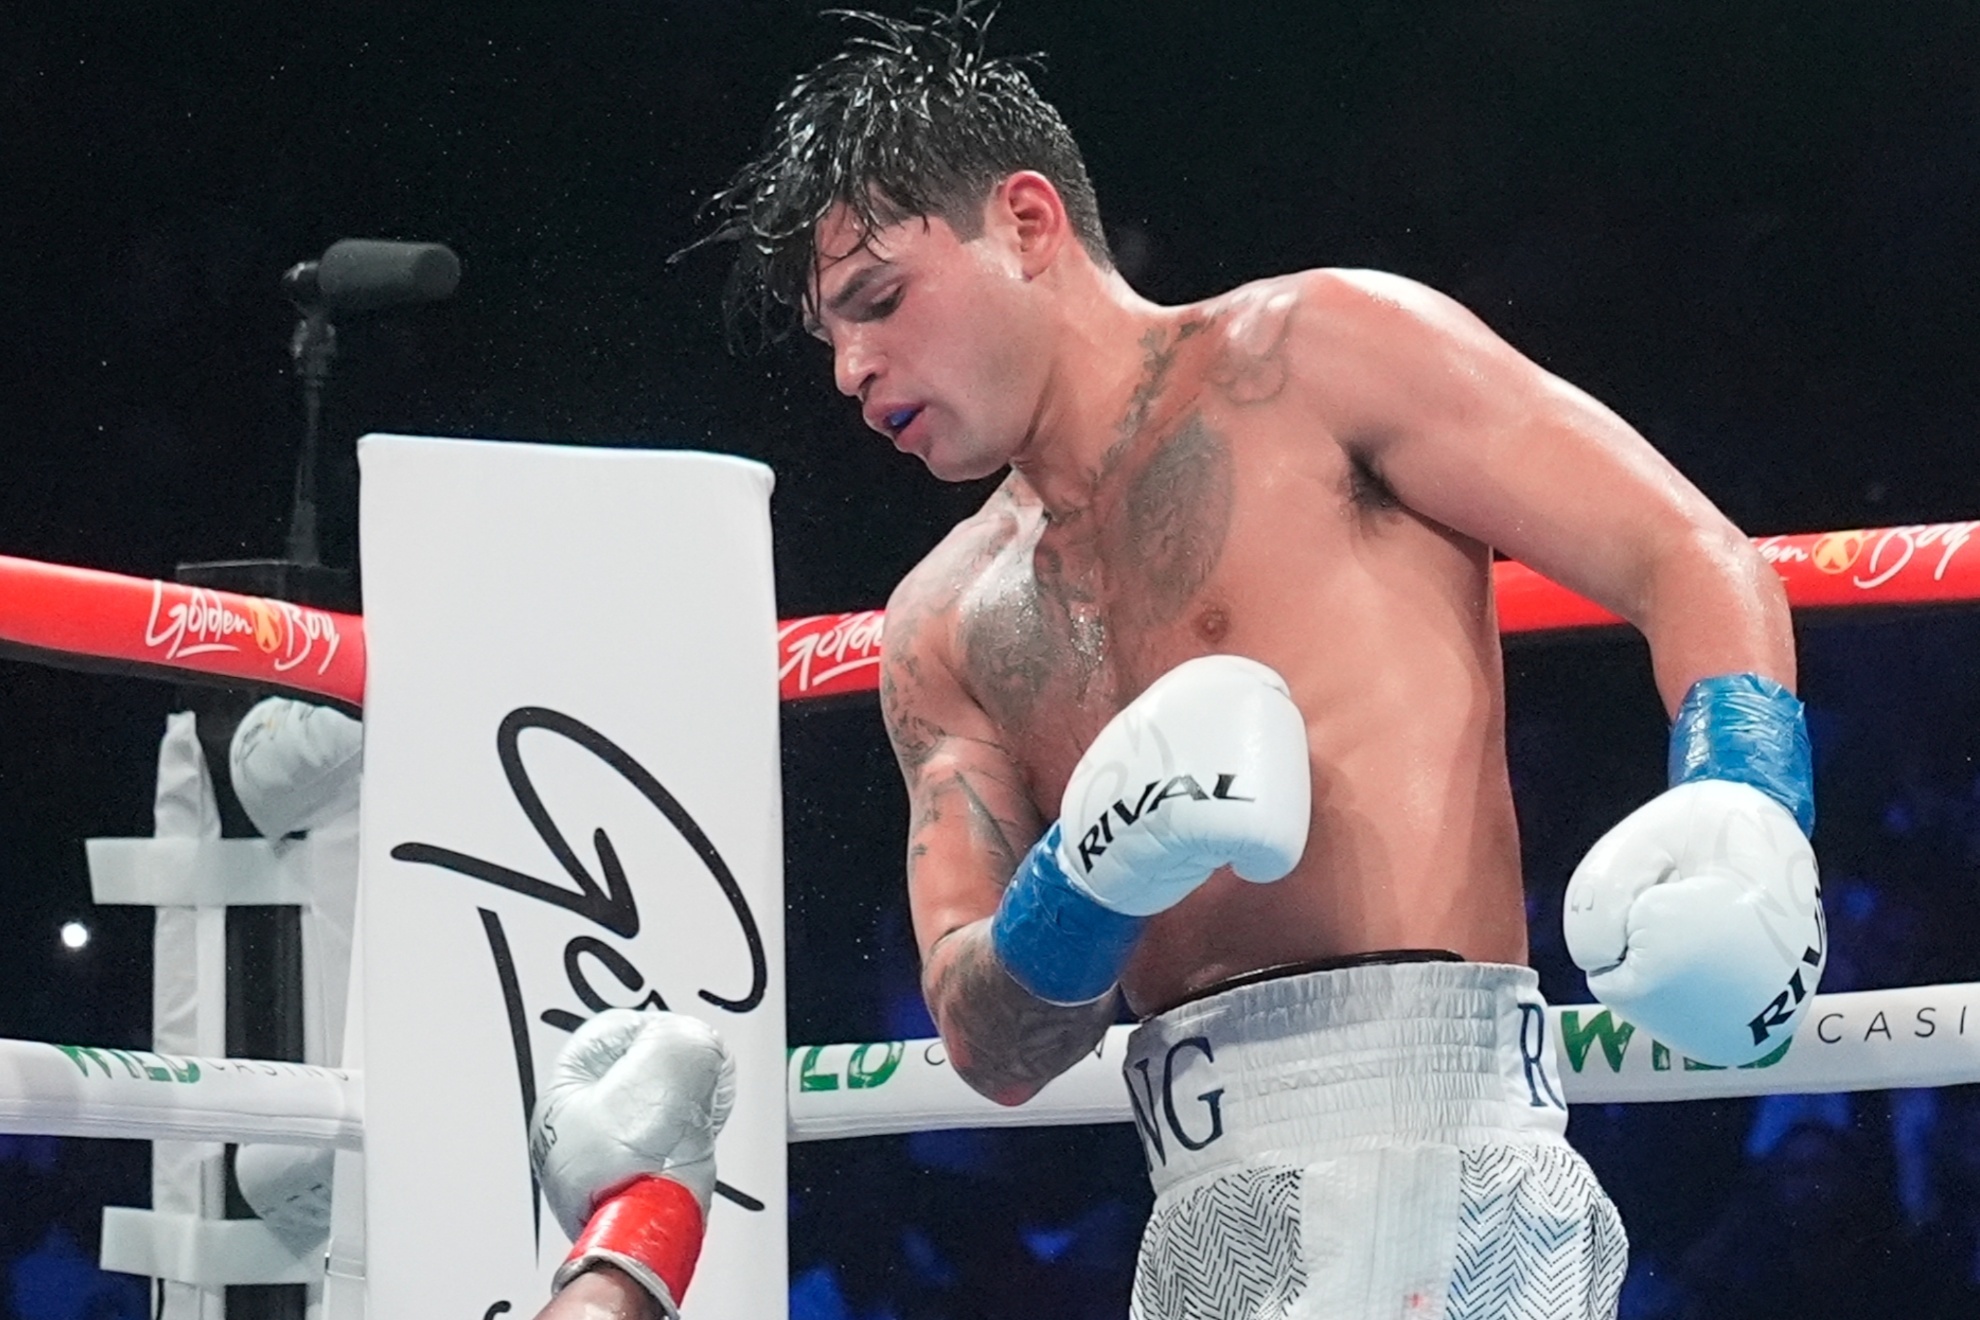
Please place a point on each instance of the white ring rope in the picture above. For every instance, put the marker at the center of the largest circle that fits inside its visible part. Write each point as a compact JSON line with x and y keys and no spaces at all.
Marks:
{"x":1870,"y":1040}
{"x":93,"y":1091}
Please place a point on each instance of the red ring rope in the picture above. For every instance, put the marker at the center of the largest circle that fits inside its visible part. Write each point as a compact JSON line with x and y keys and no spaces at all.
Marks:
{"x":77,"y":617}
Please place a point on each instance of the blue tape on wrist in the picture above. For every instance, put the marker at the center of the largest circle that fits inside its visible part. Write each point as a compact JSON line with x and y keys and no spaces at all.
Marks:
{"x":1054,"y":940}
{"x":1750,"y":730}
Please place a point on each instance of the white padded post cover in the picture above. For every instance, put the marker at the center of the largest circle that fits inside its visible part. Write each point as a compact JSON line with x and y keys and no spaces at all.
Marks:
{"x":570,"y":801}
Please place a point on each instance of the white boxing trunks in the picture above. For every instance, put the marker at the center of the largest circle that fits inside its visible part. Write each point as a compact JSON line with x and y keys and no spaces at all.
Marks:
{"x":1382,"y":1141}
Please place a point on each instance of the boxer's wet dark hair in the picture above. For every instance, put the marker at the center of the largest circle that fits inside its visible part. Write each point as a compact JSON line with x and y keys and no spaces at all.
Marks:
{"x":910,"y":119}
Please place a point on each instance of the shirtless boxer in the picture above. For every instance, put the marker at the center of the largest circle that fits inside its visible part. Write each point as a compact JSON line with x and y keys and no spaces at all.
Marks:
{"x":1269,"y":515}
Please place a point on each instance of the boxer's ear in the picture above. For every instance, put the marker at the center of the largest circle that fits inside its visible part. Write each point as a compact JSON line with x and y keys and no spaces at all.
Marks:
{"x":1028,"y":211}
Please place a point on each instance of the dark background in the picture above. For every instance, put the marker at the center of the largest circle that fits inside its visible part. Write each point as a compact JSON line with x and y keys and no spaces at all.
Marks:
{"x":1753,"y":229}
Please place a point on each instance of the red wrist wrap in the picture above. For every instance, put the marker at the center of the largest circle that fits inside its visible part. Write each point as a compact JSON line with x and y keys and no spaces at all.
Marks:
{"x":654,"y":1221}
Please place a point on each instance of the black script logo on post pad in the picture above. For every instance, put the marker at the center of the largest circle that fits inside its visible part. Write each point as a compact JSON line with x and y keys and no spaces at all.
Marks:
{"x":606,"y":900}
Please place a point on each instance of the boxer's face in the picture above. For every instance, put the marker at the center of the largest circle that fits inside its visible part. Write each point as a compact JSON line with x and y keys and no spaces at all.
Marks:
{"x":939,"y":338}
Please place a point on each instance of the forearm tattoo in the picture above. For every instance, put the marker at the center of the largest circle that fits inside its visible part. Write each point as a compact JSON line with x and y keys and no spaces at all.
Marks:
{"x":1003,"y":1041}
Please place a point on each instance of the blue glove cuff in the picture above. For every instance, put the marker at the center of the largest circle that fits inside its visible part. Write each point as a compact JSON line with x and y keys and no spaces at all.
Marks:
{"x":1750,"y":730}
{"x":1055,"y":941}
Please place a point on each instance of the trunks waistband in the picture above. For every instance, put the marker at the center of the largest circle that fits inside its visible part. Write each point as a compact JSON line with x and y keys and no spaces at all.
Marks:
{"x":1277,"y":971}
{"x":1307,"y":1065}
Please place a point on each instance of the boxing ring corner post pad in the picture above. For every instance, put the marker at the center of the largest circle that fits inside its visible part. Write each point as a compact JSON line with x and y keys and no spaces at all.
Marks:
{"x":192,"y":873}
{"x":206,"y":1253}
{"x":1868,"y":1040}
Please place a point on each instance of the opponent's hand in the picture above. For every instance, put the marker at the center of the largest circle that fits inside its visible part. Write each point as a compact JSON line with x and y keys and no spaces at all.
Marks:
{"x":1207,"y":768}
{"x":623,"y":1140}
{"x":1699,"y":918}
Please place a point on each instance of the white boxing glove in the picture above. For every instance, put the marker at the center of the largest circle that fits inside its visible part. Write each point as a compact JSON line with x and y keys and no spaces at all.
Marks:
{"x":623,"y":1140}
{"x":1209,"y":767}
{"x":295,"y":765}
{"x":289,"y":1188}
{"x":1699,"y":918}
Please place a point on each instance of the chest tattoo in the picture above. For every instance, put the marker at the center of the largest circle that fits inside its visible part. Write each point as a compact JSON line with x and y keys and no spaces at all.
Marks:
{"x":1175,"y":516}
{"x":1045,"y":633}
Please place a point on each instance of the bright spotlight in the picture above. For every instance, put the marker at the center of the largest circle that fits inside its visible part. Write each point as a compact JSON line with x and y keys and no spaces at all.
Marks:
{"x":74,"y":935}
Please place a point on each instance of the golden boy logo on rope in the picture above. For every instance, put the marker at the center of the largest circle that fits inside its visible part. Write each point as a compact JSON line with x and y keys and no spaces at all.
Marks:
{"x":191,"y":621}
{"x":819,"y":653}
{"x":197,"y":623}
{"x":1837,"y":551}
{"x":1894,"y":548}
{"x":267,"y":627}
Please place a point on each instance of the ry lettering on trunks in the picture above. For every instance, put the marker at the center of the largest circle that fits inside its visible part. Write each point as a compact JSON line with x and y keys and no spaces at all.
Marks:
{"x":1533,"y":1049}
{"x":1157,"y":1124}
{"x":1153,"y":794}
{"x":606,"y":900}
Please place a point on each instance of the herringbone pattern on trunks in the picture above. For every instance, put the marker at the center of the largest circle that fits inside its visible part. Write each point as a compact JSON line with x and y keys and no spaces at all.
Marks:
{"x":1228,"y":1250}
{"x":1537,"y":1239}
